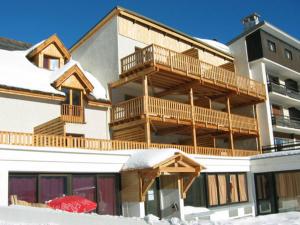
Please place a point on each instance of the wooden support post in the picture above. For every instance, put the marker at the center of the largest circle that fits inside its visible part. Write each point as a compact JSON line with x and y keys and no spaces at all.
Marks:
{"x":191,"y":97}
{"x":147,"y":122}
{"x":209,"y":102}
{"x":214,"y":142}
{"x":231,"y":144}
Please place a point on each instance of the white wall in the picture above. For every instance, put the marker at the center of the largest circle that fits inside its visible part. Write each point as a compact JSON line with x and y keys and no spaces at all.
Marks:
{"x":96,"y":124}
{"x":22,"y":115}
{"x":258,"y":72}
{"x":99,"y":54}
{"x":54,"y":160}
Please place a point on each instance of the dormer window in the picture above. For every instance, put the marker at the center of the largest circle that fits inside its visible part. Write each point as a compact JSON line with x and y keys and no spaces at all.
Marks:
{"x":51,"y":63}
{"x":73,"y":96}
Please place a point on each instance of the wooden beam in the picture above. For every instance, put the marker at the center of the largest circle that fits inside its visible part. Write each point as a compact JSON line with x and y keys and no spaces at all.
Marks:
{"x":177,"y":169}
{"x":194,"y":133}
{"x":231,"y":144}
{"x":187,"y":184}
{"x":176,"y":88}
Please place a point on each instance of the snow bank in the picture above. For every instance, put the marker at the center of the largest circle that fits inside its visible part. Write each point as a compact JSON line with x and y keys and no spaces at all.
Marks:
{"x":24,"y":215}
{"x":275,"y":154}
{"x":194,"y":210}
{"x":215,"y":44}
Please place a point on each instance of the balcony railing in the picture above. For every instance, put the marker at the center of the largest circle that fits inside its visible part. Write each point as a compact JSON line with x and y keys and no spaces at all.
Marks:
{"x":72,"y":113}
{"x":170,"y":109}
{"x":288,"y":146}
{"x":27,"y":139}
{"x":192,"y":67}
{"x":282,"y":89}
{"x":285,"y":121}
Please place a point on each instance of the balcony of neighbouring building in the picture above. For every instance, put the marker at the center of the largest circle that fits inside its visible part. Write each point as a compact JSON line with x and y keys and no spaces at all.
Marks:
{"x":286,"y":124}
{"x":169,"y":69}
{"x":282,"y":93}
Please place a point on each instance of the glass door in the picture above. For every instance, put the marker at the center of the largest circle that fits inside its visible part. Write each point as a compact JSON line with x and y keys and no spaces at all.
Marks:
{"x":152,"y":202}
{"x":265,"y":193}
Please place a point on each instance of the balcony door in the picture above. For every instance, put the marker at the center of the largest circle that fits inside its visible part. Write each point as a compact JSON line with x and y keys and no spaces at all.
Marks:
{"x":72,"y":108}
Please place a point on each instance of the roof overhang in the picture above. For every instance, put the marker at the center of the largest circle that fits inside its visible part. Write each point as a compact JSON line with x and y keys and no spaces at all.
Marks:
{"x":119,"y":11}
{"x":74,"y":70}
{"x":51,"y":40}
{"x":178,"y":164}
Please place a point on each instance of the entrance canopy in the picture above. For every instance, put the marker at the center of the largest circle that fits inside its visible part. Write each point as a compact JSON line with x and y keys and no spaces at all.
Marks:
{"x":141,"y":169}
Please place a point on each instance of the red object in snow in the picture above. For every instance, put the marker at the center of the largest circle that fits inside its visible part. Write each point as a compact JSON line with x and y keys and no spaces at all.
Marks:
{"x":72,"y":203}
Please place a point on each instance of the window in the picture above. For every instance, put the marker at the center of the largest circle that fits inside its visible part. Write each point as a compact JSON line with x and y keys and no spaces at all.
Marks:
{"x":288,"y":54}
{"x":51,"y":63}
{"x":196,"y":195}
{"x":271,"y":46}
{"x":24,"y":187}
{"x":38,"y":188}
{"x":226,"y":188}
{"x":73,"y":96}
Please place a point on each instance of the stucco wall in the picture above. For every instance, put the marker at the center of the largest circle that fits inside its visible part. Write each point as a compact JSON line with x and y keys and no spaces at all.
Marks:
{"x":99,"y":54}
{"x":23,"y":114}
{"x":96,"y":124}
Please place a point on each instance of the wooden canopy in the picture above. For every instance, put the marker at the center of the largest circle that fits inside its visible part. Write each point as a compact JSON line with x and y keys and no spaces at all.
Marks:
{"x":51,"y":40}
{"x":78,"y":73}
{"x":178,"y":164}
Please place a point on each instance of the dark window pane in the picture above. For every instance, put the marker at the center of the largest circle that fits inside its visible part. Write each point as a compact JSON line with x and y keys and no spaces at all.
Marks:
{"x":52,"y":187}
{"x":196,"y":193}
{"x":25,"y":187}
{"x":107,"y":195}
{"x":76,"y":97}
{"x":271,"y":46}
{"x":67,"y":93}
{"x":84,"y":186}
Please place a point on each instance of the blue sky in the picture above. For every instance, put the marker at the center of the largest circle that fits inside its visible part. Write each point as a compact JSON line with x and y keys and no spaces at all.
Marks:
{"x":35,"y":20}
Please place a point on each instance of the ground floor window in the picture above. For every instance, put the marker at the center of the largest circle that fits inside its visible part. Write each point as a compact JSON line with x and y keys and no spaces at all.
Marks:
{"x":100,"y":188}
{"x":226,"y":188}
{"x":288,"y":191}
{"x":215,"y":189}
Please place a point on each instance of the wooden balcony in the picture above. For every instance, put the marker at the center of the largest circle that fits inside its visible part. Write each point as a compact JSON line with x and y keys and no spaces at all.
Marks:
{"x":166,"y":63}
{"x":72,"y":113}
{"x":35,"y":140}
{"x":165,"y":110}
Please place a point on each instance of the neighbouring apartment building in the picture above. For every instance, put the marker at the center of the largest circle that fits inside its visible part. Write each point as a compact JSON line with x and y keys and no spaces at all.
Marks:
{"x":140,"y":118}
{"x":271,"y":56}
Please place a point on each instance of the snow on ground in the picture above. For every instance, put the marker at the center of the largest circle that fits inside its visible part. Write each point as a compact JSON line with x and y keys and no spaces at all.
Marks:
{"x":24,"y":215}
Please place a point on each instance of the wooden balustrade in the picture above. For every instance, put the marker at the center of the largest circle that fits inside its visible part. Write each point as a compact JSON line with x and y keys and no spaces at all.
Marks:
{"x":36,"y":140}
{"x":191,"y":66}
{"x":179,"y":111}
{"x":72,"y":113}
{"x":127,"y":109}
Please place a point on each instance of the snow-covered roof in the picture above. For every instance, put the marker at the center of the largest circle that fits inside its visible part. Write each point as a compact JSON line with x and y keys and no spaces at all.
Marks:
{"x":218,"y":45}
{"x":148,"y":158}
{"x":18,"y":72}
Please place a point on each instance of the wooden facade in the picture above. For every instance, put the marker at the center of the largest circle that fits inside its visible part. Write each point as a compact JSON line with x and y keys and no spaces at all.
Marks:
{"x":163,"y":73}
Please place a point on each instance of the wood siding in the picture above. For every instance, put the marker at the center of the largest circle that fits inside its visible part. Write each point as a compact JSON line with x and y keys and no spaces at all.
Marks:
{"x":52,"y":127}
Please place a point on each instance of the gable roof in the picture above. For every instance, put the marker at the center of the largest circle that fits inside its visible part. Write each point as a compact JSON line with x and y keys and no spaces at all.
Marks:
{"x":68,"y":71}
{"x":152,"y":159}
{"x":151,"y":23}
{"x":51,"y":40}
{"x":19,"y":74}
